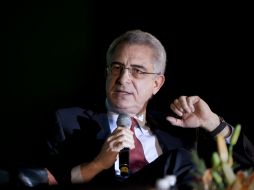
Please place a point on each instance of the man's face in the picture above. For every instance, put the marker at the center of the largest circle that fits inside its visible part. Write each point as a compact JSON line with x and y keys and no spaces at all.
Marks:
{"x":125,"y":92}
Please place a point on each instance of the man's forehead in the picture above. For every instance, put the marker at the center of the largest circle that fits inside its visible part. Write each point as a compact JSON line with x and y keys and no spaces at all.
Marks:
{"x":133,"y":55}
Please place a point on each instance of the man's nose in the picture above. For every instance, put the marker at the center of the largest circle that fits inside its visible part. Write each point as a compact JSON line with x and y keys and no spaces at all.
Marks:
{"x":125,"y":75}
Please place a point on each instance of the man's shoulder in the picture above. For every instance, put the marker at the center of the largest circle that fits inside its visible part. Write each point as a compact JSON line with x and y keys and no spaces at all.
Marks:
{"x":75,"y":117}
{"x":81,"y":110}
{"x":71,"y":119}
{"x":70,"y":110}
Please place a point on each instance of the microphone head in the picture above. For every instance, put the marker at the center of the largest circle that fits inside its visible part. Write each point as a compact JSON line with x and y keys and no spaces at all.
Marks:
{"x":123,"y":120}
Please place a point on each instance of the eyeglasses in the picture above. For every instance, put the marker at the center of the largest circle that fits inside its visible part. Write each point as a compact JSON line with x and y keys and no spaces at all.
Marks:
{"x":117,"y":69}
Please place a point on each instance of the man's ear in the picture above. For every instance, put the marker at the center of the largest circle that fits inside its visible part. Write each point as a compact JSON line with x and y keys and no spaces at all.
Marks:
{"x":158,"y":82}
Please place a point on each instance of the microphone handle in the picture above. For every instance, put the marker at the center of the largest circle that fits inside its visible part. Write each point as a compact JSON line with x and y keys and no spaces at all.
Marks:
{"x":124,"y":162}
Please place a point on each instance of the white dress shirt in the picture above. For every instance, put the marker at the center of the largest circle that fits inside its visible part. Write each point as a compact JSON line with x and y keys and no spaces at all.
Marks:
{"x":150,"y":144}
{"x":152,"y":149}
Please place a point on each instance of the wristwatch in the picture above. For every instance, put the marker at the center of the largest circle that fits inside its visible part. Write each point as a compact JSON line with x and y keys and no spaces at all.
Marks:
{"x":219,"y":128}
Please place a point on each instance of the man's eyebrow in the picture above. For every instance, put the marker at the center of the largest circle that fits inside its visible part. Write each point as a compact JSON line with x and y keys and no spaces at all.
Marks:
{"x":132,"y":65}
{"x":139,"y":67}
{"x":116,"y":62}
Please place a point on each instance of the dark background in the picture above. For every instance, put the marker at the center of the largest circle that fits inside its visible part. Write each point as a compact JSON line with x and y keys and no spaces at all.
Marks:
{"x":55,"y":56}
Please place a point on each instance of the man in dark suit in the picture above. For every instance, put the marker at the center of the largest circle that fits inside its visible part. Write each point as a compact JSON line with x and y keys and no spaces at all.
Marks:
{"x":89,"y":141}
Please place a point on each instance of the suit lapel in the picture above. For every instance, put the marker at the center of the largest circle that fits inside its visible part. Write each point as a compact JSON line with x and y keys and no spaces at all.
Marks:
{"x":170,"y":137}
{"x":102,"y":120}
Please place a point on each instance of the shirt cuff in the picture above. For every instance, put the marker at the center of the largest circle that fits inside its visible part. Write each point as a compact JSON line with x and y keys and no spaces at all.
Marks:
{"x":76,"y":176}
{"x":229,"y":137}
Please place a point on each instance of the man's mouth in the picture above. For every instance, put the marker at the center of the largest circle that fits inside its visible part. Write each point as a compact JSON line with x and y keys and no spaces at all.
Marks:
{"x":122,"y":92}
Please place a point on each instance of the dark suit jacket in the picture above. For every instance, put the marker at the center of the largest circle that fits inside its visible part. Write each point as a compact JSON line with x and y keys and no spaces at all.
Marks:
{"x":80,"y":133}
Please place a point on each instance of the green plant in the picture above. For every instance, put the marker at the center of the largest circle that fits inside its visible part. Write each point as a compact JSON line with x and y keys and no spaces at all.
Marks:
{"x":221,"y":175}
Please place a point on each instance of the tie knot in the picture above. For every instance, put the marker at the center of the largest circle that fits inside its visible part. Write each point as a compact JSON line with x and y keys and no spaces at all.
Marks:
{"x":133,"y":123}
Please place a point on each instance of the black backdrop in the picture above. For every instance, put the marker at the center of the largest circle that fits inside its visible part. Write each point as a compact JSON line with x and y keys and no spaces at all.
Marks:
{"x":56,"y":56}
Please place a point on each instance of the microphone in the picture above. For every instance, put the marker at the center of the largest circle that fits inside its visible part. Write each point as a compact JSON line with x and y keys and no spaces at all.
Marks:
{"x":124,"y":120}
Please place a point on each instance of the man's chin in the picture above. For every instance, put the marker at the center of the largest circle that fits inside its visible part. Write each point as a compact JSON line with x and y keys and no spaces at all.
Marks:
{"x":124,"y":108}
{"x":122,"y":102}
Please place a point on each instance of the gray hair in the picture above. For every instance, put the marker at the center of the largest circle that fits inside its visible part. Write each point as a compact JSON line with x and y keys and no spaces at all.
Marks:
{"x":141,"y":38}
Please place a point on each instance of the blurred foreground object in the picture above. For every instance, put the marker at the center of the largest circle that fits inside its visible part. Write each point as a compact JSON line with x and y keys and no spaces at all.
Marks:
{"x":221,"y":175}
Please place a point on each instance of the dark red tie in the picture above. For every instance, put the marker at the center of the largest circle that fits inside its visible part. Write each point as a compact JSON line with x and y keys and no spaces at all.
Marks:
{"x":137,"y":157}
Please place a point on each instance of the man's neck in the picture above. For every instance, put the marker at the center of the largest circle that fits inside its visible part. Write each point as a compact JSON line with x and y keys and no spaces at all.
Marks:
{"x":141,"y":117}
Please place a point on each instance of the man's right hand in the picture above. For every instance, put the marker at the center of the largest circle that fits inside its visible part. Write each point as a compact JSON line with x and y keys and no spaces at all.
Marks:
{"x":120,"y":138}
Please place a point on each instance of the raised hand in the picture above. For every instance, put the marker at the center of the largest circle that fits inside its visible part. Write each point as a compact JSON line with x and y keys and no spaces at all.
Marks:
{"x":193,"y":112}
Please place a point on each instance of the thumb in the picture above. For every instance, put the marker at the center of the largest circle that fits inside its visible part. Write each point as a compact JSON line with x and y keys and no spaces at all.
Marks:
{"x":174,"y":121}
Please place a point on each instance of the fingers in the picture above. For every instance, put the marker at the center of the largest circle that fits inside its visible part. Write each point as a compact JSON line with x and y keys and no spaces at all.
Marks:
{"x":120,"y":138}
{"x":184,"y":104}
{"x":175,"y":121}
